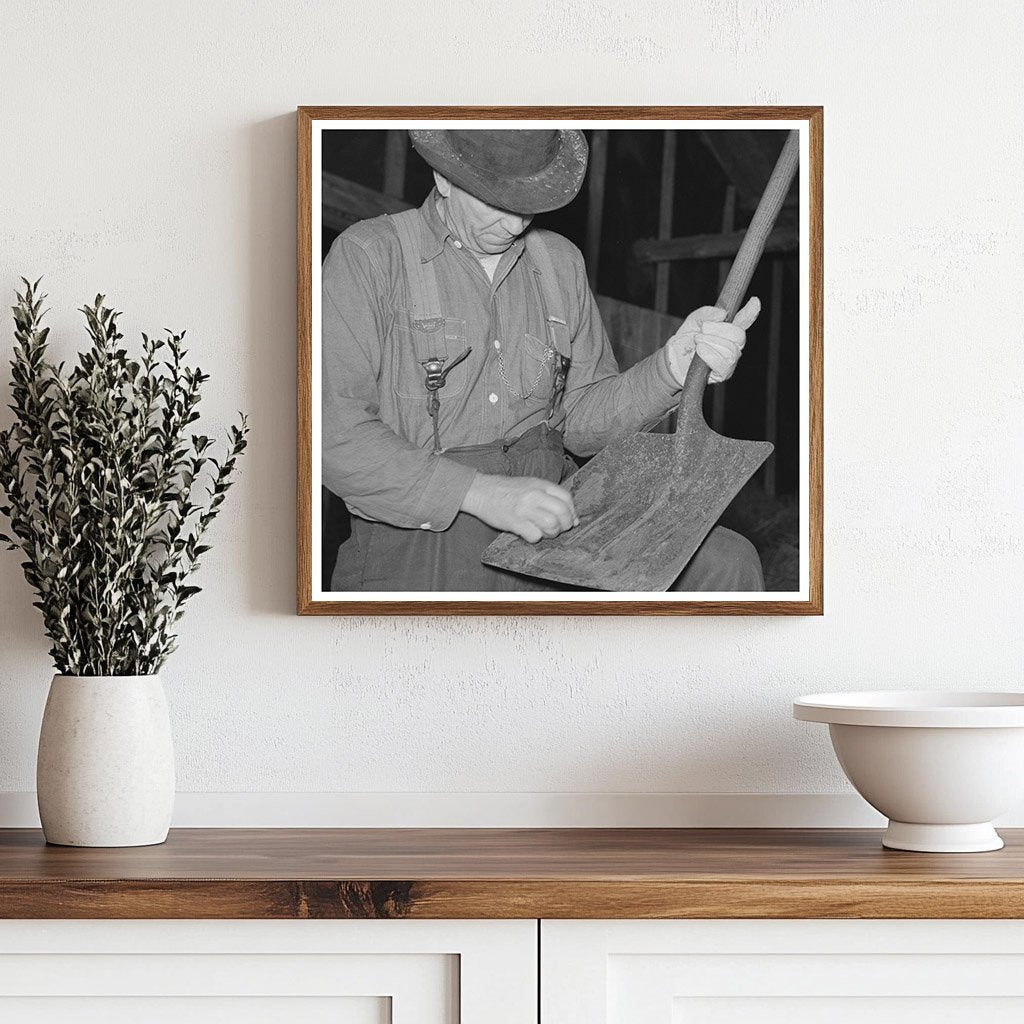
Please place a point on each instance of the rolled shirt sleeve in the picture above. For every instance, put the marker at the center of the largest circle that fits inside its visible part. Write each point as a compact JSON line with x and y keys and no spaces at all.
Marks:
{"x":380,"y":475}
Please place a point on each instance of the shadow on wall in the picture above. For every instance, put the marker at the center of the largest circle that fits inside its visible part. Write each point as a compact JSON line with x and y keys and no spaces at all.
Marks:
{"x":21,"y":627}
{"x":266,"y":322}
{"x":268,"y":318}
{"x":670,"y":749}
{"x":744,"y":746}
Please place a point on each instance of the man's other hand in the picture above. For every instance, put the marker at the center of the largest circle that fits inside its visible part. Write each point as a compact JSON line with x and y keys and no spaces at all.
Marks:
{"x":527,"y":506}
{"x":719,"y":344}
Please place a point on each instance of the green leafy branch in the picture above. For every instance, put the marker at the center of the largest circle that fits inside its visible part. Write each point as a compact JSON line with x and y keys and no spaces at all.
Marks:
{"x":109,"y":495}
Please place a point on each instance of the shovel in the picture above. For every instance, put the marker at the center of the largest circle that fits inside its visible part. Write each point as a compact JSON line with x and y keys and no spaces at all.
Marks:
{"x":646,"y":502}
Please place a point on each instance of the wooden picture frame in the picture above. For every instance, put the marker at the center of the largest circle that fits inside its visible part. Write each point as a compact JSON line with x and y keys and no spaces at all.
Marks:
{"x":357,"y":200}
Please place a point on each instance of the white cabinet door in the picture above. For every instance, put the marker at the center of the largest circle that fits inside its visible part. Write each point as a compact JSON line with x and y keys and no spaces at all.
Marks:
{"x":782,"y":972}
{"x":259,"y":972}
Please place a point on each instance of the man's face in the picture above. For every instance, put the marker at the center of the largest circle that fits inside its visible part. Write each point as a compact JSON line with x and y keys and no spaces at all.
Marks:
{"x":485,"y":229}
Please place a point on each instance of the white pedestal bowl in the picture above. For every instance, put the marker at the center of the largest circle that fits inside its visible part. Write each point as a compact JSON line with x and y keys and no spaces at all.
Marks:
{"x":940,"y":766}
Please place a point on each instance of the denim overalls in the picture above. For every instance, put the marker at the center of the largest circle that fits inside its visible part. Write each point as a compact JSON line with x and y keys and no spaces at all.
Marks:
{"x":381,"y":557}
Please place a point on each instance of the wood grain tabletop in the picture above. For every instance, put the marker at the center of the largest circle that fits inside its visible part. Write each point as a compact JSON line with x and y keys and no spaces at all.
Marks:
{"x":508,"y":873}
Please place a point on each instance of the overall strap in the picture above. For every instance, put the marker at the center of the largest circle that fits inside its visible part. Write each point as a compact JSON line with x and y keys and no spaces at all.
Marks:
{"x":554,"y":300}
{"x":424,"y":300}
{"x":425,"y":316}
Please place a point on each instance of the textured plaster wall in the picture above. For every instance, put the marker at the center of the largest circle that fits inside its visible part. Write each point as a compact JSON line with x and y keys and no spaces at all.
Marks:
{"x":148,"y":152}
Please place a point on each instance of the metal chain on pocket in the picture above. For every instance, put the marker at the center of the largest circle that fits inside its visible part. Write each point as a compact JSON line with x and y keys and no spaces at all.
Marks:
{"x":436,"y":378}
{"x":548,"y":355}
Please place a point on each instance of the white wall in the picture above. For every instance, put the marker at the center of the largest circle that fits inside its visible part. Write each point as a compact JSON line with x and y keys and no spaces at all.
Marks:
{"x":148,"y":152}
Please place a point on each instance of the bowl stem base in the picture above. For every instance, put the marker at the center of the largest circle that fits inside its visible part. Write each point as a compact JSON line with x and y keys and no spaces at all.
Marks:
{"x":977,"y":838}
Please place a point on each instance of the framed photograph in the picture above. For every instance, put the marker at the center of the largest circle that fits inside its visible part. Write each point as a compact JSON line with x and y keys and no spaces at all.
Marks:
{"x":559,"y":361}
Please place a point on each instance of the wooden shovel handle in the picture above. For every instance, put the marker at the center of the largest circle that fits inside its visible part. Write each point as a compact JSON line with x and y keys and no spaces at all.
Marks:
{"x":742,"y":269}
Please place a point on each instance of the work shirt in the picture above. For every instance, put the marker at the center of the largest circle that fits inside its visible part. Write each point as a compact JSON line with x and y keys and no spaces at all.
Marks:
{"x":377,"y":434}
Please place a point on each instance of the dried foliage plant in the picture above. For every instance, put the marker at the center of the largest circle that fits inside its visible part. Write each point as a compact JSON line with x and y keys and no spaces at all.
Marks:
{"x":108,"y":493}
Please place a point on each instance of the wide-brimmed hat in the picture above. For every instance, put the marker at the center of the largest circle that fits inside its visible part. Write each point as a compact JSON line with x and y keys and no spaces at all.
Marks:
{"x":521,"y":170}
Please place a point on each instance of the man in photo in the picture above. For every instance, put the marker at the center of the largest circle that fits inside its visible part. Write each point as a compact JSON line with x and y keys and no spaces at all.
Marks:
{"x":463,"y":358}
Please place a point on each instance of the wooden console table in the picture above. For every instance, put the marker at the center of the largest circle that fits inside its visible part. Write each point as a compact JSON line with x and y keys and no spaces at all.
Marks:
{"x":507,"y":873}
{"x":495,"y":926}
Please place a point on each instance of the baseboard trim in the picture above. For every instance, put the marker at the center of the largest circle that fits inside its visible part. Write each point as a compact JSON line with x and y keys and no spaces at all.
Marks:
{"x":504,"y":810}
{"x":495,"y":810}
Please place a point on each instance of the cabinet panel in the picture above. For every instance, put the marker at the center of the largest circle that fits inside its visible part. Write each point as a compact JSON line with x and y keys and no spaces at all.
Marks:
{"x":848,"y":1010}
{"x":306,"y":972}
{"x":187,"y":1010}
{"x":732,"y":972}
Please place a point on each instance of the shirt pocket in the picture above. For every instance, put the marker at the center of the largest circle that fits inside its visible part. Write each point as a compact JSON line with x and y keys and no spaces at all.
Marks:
{"x":412,"y":344}
{"x":535,"y":376}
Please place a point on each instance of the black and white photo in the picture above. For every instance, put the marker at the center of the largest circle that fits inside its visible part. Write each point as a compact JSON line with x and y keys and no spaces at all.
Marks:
{"x":558,"y":364}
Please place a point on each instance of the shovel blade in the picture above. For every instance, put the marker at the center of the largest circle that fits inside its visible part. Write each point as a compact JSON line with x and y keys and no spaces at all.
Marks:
{"x":645,"y":505}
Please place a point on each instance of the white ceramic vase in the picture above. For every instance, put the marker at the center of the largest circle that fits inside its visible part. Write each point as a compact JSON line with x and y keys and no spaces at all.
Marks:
{"x":105,"y":771}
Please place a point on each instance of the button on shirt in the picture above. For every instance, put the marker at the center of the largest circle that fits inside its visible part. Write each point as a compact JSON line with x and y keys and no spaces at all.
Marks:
{"x":377,"y":434}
